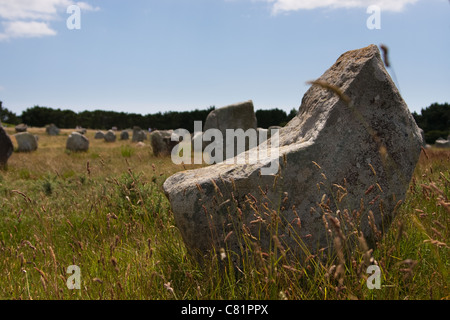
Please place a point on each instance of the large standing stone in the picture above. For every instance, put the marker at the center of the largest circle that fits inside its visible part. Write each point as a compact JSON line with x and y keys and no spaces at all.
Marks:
{"x":77,"y":142}
{"x":52,"y":130}
{"x":110,"y":136}
{"x":6,"y":147}
{"x":26,"y":142}
{"x":236,"y":116}
{"x":161,"y":141}
{"x":340,"y":157}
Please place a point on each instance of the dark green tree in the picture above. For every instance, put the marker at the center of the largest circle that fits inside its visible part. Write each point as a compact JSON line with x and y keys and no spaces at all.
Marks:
{"x":272,"y":117}
{"x":7,"y":116}
{"x":435,"y":121}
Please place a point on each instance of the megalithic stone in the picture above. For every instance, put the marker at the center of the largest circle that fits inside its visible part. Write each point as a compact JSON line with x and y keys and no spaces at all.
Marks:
{"x":349,"y":153}
{"x":236,"y":116}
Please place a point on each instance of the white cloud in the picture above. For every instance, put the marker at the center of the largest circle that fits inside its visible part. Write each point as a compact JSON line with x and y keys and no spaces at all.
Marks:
{"x":87,"y":7}
{"x":27,"y":29}
{"x":295,"y":5}
{"x":31,"y":18}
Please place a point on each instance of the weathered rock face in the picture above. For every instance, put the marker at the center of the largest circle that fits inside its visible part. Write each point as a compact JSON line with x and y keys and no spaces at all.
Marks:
{"x":6,"y":147}
{"x":52,"y":130}
{"x":26,"y":142}
{"x":99,"y":135}
{"x":236,"y":116}
{"x":162,"y":143}
{"x":341,"y":157}
{"x":77,"y":142}
{"x":110,"y":136}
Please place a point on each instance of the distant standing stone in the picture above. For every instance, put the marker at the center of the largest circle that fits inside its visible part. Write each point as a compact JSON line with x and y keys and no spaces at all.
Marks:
{"x":81,"y":131}
{"x":77,"y":142}
{"x":139,"y":135}
{"x":21,"y":128}
{"x":442,"y":143}
{"x":235,"y":116}
{"x":26,"y":142}
{"x":52,"y":130}
{"x":162,"y":143}
{"x":99,"y":135}
{"x":6,"y":147}
{"x":124,"y":135}
{"x":110,"y":136}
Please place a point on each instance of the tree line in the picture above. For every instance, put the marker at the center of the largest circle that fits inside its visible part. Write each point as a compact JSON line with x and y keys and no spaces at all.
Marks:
{"x":38,"y":116}
{"x":435,"y":121}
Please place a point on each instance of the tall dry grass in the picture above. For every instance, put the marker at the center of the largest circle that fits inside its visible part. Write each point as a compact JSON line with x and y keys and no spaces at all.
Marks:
{"x":105,"y":212}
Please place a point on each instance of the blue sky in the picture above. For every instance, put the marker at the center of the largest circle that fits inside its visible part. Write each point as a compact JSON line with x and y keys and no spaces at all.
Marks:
{"x":146,"y":56}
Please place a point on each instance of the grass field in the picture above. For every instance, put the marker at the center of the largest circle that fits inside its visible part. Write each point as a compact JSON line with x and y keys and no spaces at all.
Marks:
{"x":104,"y":211}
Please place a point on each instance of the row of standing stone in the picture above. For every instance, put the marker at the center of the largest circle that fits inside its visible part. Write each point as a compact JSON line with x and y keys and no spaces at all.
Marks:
{"x":139,"y":135}
{"x":76,"y":142}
